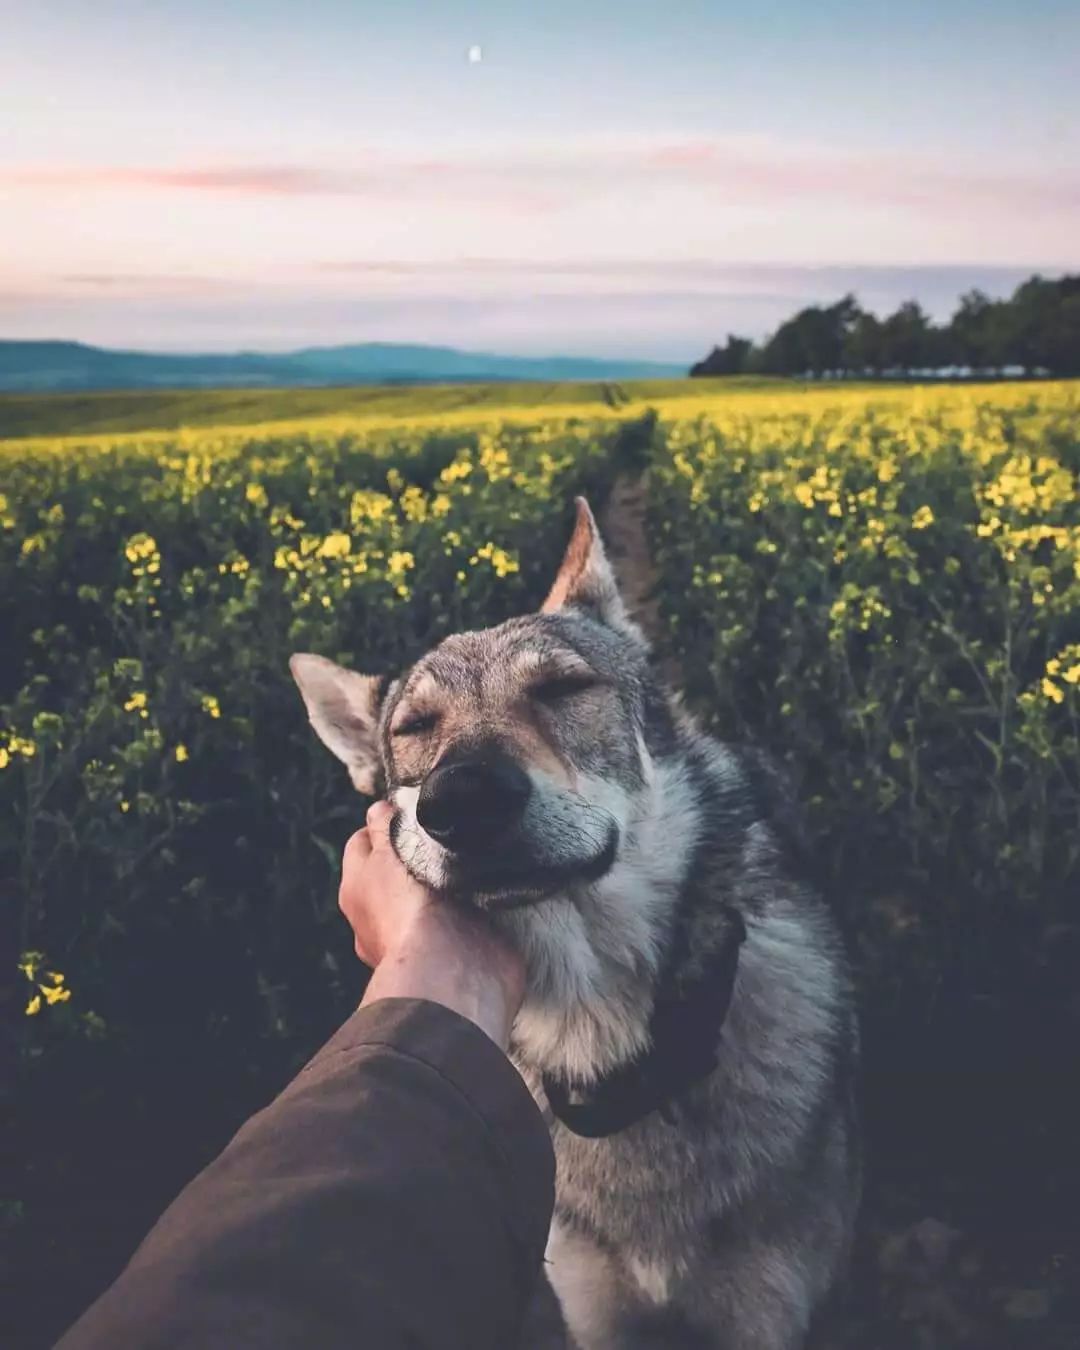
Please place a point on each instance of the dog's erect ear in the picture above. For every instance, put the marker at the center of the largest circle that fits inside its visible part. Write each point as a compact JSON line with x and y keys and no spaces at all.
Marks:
{"x":343,"y":707}
{"x":585,"y":580}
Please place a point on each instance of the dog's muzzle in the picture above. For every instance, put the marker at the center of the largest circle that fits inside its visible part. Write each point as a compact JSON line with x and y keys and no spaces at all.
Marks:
{"x":473,"y":803}
{"x":483,"y":830}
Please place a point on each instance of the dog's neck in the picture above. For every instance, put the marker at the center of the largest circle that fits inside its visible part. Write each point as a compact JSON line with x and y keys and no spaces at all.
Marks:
{"x":593,"y":954}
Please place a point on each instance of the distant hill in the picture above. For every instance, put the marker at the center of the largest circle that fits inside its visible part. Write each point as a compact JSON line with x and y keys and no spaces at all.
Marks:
{"x":38,"y":367}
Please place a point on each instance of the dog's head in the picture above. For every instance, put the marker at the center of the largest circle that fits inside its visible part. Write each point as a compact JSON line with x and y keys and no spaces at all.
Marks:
{"x":514,"y":755}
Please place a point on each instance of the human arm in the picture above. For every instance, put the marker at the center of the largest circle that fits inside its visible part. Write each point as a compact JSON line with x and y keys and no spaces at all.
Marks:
{"x":397,"y":1193}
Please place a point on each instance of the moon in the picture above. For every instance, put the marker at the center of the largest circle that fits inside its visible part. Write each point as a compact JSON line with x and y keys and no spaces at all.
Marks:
{"x":476,"y":54}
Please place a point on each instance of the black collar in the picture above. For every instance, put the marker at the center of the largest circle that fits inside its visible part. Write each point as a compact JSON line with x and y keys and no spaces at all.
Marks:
{"x":684,"y":1032}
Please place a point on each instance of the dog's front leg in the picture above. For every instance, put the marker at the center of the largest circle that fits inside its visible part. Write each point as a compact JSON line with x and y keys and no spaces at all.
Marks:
{"x":590,"y":1292}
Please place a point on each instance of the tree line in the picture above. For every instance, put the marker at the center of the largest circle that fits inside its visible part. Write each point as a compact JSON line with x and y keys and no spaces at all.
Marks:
{"x":1036,"y":331}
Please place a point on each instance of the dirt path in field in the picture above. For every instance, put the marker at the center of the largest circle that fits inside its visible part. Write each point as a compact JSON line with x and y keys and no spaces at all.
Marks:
{"x":622,"y":524}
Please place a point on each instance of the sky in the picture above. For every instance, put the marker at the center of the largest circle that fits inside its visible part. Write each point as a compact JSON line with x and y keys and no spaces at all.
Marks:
{"x":631,"y":179}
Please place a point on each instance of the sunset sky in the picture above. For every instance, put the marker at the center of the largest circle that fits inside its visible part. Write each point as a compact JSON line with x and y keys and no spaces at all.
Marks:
{"x":610,"y":179}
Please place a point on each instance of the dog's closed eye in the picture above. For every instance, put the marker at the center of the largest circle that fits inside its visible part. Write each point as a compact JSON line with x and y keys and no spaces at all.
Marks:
{"x":558,"y":687}
{"x":417,"y":725}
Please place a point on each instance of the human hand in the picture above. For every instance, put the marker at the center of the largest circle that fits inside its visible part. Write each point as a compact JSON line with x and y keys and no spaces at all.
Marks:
{"x":381,"y":901}
{"x":420,"y":945}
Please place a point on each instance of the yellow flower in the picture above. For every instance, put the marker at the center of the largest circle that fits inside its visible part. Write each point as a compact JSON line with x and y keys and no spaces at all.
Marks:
{"x":136,"y":702}
{"x":1052,"y":692}
{"x":34,"y":1006}
{"x":414,"y":504}
{"x":399,"y":563}
{"x":1072,"y":675}
{"x":55,"y":995}
{"x":140,"y":546}
{"x":256,"y":495}
{"x":460,"y":468}
{"x":181,"y":753}
{"x":5,"y":758}
{"x":335,"y":546}
{"x":369,"y":506}
{"x":211,"y":705}
{"x":922,"y":517}
{"x":504,"y":563}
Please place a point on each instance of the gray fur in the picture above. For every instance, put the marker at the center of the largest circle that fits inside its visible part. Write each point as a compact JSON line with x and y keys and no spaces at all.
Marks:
{"x":729,"y":1227}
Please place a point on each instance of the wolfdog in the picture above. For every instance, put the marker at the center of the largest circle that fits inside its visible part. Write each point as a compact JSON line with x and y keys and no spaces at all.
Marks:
{"x":688,"y":1027}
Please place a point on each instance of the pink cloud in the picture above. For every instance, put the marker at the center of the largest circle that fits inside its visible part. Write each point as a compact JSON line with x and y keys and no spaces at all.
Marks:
{"x":144,"y":280}
{"x":260,"y":180}
{"x":739,"y":171}
{"x":773,"y":172}
{"x":689,"y":153}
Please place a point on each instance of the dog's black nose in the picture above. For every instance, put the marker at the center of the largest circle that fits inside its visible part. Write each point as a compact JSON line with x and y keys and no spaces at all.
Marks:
{"x":472,"y":802}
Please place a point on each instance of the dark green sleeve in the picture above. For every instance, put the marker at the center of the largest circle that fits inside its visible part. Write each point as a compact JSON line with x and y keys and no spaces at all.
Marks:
{"x":397,"y":1194}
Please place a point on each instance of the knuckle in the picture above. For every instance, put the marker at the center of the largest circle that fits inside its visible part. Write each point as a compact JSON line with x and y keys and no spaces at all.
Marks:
{"x":379,"y":816}
{"x":357,"y":847}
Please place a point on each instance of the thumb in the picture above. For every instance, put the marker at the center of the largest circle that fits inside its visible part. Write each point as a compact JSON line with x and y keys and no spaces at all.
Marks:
{"x":379,"y":816}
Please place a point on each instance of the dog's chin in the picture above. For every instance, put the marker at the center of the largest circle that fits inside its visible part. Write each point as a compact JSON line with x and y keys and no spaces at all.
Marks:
{"x":503,"y":884}
{"x":522,"y":885}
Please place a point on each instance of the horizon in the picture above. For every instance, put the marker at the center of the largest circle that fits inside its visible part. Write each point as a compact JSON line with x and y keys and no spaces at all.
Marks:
{"x":997,"y":283}
{"x":311,"y":347}
{"x":609,"y":184}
